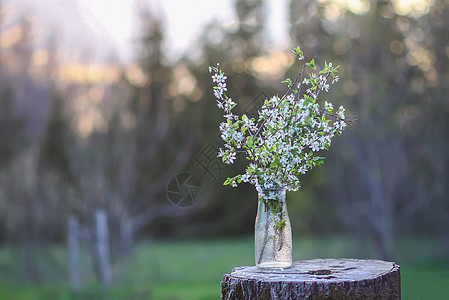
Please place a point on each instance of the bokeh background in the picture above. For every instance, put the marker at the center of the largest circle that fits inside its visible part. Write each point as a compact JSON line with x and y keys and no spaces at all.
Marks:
{"x":103,"y":104}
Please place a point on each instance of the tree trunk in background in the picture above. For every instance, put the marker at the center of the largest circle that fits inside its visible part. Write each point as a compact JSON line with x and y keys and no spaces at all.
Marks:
{"x":126,"y":236}
{"x":73,"y":236}
{"x":103,"y":250}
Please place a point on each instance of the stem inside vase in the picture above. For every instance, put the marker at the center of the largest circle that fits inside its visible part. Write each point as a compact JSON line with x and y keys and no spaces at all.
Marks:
{"x":273,"y":231}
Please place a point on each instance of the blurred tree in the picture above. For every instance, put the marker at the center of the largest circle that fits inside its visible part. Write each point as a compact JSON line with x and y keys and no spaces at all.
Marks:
{"x":146,"y":154}
{"x":234,"y":46}
{"x":30,"y":210}
{"x":376,"y":169}
{"x":427,"y":122}
{"x":53,"y":152}
{"x":122,"y":172}
{"x":30,"y":205}
{"x":11,"y":124}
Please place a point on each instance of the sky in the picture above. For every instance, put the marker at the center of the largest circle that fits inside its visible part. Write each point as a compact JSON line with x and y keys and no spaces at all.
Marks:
{"x":184,"y":19}
{"x":113,"y":23}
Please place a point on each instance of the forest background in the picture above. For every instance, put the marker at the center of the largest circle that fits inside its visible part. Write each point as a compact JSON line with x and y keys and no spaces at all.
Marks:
{"x":89,"y":149}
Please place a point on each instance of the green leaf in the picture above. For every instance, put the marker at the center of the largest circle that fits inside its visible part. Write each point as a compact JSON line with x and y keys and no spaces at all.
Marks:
{"x":287,"y":81}
{"x":297,"y":51}
{"x":275,"y":162}
{"x":249,"y":142}
{"x":311,"y":64}
{"x":309,"y":99}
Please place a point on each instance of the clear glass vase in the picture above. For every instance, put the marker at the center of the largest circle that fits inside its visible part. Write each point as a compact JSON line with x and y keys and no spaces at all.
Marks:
{"x":273,"y":234}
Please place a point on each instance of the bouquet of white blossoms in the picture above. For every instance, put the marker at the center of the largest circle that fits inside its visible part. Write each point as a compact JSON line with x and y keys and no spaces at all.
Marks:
{"x":283,"y":142}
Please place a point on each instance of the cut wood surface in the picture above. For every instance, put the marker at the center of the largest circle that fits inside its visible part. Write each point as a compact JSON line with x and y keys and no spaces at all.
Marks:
{"x":316,"y":279}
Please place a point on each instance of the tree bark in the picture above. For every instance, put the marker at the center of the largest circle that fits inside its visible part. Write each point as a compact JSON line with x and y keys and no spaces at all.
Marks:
{"x":316,"y":279}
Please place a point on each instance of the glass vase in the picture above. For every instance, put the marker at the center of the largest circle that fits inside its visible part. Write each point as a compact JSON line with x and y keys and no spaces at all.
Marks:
{"x":273,"y":235}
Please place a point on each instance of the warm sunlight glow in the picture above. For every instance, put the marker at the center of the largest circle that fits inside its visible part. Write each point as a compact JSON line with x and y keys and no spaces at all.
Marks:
{"x":332,"y":12}
{"x":184,"y":83}
{"x":10,"y":37}
{"x":334,"y":8}
{"x":412,"y":7}
{"x":358,"y":6}
{"x":40,"y":57}
{"x":79,"y":73}
{"x":271,"y":66}
{"x":90,"y":120}
{"x":135,"y":75}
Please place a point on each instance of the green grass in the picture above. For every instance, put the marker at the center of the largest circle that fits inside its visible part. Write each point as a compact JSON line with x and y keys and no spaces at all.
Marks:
{"x":192,"y":269}
{"x":186,"y":269}
{"x":425,"y":280}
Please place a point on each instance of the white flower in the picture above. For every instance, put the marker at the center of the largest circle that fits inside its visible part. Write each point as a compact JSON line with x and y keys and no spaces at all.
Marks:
{"x":239,"y":138}
{"x":226,"y":130}
{"x":336,"y":78}
{"x":219,"y":78}
{"x":222,"y":86}
{"x":248,"y":123}
{"x":229,"y":116}
{"x":230,"y":158}
{"x":218,"y":94}
{"x":339,"y":125}
{"x":341,"y":113}
{"x":228,"y":105}
{"x":246,"y":177}
{"x":315,"y":146}
{"x":303,"y":169}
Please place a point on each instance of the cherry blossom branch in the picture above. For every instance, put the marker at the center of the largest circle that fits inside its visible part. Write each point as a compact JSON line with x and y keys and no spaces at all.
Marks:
{"x":290,"y":130}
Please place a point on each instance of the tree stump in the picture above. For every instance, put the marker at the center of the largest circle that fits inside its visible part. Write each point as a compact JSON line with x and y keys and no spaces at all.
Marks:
{"x":316,"y":279}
